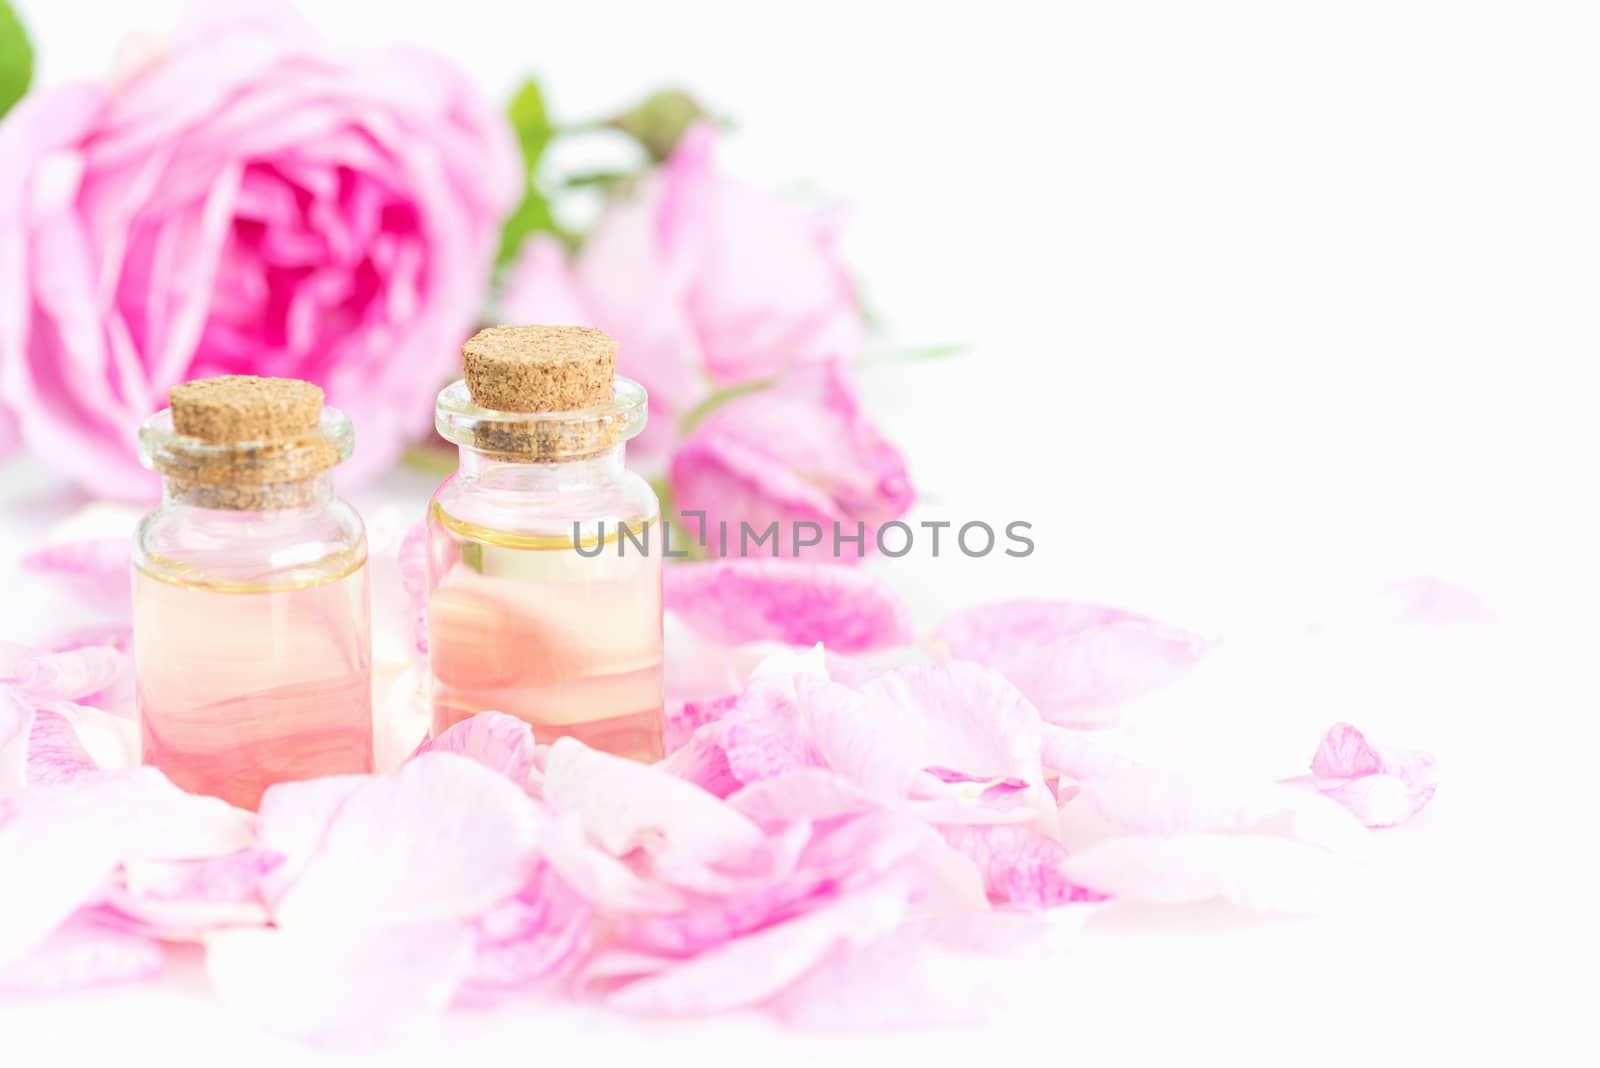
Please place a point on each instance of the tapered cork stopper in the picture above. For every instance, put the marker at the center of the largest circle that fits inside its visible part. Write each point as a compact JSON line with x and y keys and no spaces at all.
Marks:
{"x":245,"y":408}
{"x":539,"y":368}
{"x":260,"y":443}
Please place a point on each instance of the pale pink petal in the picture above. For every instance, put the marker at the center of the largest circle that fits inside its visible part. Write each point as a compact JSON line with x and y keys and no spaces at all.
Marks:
{"x":441,"y":838}
{"x":704,"y":762}
{"x":600,"y":878}
{"x":293,"y":821}
{"x":1075,"y":662}
{"x":70,"y":838}
{"x":734,"y":601}
{"x":356,"y":987}
{"x":85,"y":951}
{"x":624,"y":805}
{"x":97,"y":571}
{"x":183,"y":899}
{"x":1260,"y":872}
{"x":1159,"y":801}
{"x":749,"y":970}
{"x":70,"y":676}
{"x":1380,"y":786}
{"x":1019,"y":865}
{"x":1426,"y":599}
{"x":804,"y":794}
{"x":16,"y":725}
{"x":531,"y":939}
{"x":497,"y":741}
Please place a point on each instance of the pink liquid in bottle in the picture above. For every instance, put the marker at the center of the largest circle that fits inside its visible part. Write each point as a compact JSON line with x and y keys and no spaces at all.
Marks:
{"x":528,"y":626}
{"x":241,"y":687}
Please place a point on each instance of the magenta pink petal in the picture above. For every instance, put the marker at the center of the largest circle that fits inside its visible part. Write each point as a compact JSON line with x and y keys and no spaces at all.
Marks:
{"x":54,"y":753}
{"x":184,"y":899}
{"x":849,"y":610}
{"x":1020,"y":866}
{"x":531,"y":939}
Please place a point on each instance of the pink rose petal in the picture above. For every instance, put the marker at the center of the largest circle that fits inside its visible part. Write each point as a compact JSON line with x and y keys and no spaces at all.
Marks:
{"x":499,"y":742}
{"x":85,"y":951}
{"x":96,"y":572}
{"x":1075,"y":662}
{"x":70,"y":676}
{"x":441,"y":838}
{"x":749,"y":970}
{"x":735,"y":601}
{"x":530,"y":939}
{"x":1381,"y":787}
{"x":625,"y":805}
{"x":1260,"y":872}
{"x":184,"y":899}
{"x":1019,"y":865}
{"x":54,"y":753}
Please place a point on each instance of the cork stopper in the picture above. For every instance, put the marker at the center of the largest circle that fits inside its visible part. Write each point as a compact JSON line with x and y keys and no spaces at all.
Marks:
{"x":245,"y":408}
{"x":539,"y":368}
{"x":543,"y":372}
{"x":244,"y":443}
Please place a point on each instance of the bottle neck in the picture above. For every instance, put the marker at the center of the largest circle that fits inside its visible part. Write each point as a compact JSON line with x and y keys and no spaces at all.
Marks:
{"x":298,"y":495}
{"x":556,"y":476}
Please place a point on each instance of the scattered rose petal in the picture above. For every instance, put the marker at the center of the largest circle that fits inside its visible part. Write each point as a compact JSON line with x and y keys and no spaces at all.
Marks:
{"x":54,"y":753}
{"x":749,"y":970}
{"x":849,"y":610}
{"x":625,"y":805}
{"x":530,"y":939}
{"x":184,"y":899}
{"x":85,"y":951}
{"x":1075,"y":662}
{"x":497,"y":741}
{"x":441,"y":838}
{"x":1381,"y":787}
{"x":1020,"y":866}
{"x":94,"y":571}
{"x":1260,"y":872}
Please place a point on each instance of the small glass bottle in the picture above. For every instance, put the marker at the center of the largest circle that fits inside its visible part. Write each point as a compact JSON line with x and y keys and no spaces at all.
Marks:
{"x":544,"y":551}
{"x":252,"y":632}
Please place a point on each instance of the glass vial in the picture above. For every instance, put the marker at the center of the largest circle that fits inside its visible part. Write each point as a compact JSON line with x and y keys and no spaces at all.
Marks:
{"x":544,"y":551}
{"x":252,"y":633}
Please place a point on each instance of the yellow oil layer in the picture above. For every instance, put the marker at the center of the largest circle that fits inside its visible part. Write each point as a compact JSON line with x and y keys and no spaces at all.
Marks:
{"x":638,"y":528}
{"x":187,"y":576}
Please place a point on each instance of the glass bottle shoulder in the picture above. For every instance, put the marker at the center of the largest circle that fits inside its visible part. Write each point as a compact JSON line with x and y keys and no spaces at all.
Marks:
{"x":251,"y":551}
{"x":543,"y":507}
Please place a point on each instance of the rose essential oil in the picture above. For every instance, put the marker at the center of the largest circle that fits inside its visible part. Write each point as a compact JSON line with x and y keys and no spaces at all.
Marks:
{"x":544,"y":551}
{"x":252,"y":634}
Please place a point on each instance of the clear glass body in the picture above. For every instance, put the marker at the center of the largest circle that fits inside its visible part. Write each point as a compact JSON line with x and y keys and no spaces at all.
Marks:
{"x":545,"y":599}
{"x":252,"y":643}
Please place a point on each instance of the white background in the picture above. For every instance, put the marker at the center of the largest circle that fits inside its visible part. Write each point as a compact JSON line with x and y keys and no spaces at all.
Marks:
{"x":1269,"y":303}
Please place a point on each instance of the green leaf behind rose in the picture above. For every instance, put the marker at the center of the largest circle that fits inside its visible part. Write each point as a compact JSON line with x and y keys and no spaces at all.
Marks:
{"x":532,"y":216}
{"x":16,"y":58}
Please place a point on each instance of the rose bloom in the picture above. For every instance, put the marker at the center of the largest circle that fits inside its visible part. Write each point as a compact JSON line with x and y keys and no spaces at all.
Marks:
{"x":704,"y":280}
{"x":800,"y":451}
{"x":244,"y":200}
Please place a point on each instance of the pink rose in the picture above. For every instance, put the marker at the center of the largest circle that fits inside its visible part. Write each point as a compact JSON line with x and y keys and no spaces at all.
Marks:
{"x":248,"y":200}
{"x":704,"y":281}
{"x":800,"y":451}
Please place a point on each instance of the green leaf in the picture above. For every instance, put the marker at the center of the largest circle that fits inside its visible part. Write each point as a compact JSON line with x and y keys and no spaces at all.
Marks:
{"x":16,"y":58}
{"x":660,"y":121}
{"x":531,"y":122}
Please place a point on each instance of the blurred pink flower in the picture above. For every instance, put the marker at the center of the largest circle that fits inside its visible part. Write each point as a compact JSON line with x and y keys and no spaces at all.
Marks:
{"x":801,"y":451}
{"x":247,"y":200}
{"x":705,"y":282}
